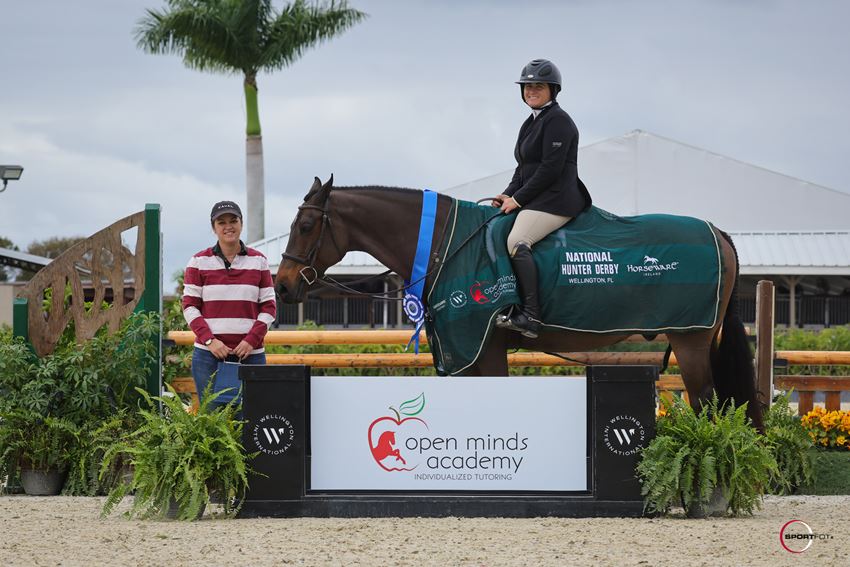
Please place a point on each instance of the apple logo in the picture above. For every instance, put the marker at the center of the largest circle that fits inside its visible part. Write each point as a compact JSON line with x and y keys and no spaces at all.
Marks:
{"x":478,"y":296}
{"x":382,"y":434}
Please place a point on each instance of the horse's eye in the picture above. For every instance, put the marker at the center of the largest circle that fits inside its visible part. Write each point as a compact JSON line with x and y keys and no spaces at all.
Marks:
{"x":306,"y":227}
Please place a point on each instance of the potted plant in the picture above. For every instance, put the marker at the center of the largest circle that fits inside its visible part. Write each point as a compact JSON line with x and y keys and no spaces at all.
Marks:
{"x":178,"y":456}
{"x":79,"y":386}
{"x":791,"y":447}
{"x":712,"y":461}
{"x":39,"y":447}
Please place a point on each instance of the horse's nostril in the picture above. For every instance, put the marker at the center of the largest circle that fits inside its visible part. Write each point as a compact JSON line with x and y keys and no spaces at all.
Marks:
{"x":280,"y":289}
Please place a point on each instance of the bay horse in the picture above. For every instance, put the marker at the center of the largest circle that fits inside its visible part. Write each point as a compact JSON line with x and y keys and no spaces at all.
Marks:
{"x":384,"y":222}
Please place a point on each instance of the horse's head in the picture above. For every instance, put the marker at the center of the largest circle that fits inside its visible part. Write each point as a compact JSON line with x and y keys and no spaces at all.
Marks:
{"x":311,"y":248}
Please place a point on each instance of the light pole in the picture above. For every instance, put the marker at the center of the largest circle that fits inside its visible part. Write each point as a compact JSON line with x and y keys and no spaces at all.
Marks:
{"x":8,"y":172}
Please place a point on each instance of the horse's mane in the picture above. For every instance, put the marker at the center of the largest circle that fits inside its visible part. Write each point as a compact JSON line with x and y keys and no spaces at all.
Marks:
{"x":353,"y":188}
{"x":376,"y":188}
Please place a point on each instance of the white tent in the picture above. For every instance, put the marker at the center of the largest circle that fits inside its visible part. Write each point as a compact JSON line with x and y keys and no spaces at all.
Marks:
{"x":642,"y":173}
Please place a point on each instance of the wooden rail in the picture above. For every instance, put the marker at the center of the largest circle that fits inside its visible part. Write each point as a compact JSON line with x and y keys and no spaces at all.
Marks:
{"x":804,"y":385}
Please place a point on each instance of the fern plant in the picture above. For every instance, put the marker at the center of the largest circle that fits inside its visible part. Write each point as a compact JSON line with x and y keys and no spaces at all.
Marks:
{"x":790,"y":444}
{"x":695,"y":455}
{"x":32,"y":441}
{"x":178,"y":457}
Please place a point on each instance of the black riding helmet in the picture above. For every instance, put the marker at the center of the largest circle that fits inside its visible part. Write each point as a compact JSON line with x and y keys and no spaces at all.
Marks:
{"x":541,"y":71}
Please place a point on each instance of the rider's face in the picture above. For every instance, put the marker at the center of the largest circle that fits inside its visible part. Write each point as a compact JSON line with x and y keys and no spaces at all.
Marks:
{"x":536,"y":94}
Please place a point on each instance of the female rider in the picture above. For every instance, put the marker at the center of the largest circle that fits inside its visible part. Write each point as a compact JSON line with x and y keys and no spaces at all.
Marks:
{"x":545,"y":187}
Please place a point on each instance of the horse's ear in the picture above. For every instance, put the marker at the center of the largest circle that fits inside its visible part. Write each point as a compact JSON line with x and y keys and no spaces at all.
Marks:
{"x":330,"y":182}
{"x":317,"y":184}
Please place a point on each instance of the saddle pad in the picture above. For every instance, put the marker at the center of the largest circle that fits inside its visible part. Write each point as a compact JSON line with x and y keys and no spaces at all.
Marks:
{"x":599,"y":274}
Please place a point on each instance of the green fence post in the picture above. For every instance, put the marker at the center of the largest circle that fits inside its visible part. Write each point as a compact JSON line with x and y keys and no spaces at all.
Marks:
{"x":151,"y":299}
{"x":20,"y":318}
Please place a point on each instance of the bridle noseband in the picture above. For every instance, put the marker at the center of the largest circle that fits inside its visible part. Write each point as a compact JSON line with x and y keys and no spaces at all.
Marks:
{"x":314,"y":250}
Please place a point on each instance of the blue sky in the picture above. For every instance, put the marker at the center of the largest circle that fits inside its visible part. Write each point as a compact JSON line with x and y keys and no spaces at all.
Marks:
{"x":421,"y":94}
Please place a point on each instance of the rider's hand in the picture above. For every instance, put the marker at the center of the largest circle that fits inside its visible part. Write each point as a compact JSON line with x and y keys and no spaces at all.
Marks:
{"x":242,"y":350}
{"x":509,"y":205}
{"x":497,"y":201}
{"x":218,"y":349}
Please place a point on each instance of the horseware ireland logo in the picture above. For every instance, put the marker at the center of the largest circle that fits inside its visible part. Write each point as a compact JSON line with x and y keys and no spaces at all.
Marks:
{"x":650,"y":260}
{"x":387,"y":435}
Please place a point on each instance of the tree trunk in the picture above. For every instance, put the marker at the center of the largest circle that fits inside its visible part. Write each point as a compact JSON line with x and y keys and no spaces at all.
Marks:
{"x":255,"y":205}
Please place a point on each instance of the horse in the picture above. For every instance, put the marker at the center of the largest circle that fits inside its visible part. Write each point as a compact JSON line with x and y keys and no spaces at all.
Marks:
{"x":384,"y":222}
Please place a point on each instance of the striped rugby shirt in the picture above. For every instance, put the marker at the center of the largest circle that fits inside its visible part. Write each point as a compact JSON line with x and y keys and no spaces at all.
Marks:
{"x":229,"y":302}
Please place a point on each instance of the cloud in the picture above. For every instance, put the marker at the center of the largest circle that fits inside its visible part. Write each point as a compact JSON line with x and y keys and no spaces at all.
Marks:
{"x":64,"y":192}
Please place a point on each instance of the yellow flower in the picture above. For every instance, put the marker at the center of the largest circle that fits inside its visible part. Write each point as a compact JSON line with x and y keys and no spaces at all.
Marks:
{"x":824,"y":441}
{"x":840,"y":440}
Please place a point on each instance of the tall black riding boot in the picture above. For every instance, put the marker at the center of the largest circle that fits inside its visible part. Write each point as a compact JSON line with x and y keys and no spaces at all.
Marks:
{"x":525,"y":320}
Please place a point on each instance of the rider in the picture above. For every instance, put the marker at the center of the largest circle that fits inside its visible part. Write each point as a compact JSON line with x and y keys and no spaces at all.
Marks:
{"x":545,"y":186}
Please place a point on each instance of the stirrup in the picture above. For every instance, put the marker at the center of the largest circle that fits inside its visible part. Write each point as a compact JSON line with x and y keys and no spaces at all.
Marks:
{"x":519,"y":322}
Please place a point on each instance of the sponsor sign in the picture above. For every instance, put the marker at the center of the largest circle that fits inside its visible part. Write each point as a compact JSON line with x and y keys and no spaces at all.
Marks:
{"x":459,"y":433}
{"x":606,"y":267}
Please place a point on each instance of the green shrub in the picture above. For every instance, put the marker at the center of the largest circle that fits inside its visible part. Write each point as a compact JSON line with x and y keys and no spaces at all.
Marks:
{"x":791,"y":447}
{"x":177,"y":457}
{"x":833,"y":338}
{"x":71,"y":394}
{"x":694,"y":453}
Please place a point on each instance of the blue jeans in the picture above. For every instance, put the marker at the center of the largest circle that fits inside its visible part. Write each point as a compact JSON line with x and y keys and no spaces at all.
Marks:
{"x":205,"y":364}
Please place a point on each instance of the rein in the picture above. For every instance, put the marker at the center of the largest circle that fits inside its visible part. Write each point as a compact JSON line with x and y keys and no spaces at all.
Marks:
{"x":328,"y":281}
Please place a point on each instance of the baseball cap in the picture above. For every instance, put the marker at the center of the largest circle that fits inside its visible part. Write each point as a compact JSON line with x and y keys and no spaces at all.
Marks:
{"x":225,"y":208}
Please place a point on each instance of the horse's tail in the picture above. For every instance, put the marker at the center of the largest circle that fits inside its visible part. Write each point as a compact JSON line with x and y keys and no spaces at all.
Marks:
{"x":732,"y":360}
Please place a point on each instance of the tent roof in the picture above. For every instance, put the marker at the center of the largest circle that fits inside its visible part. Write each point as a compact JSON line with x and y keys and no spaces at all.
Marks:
{"x":641,"y":173}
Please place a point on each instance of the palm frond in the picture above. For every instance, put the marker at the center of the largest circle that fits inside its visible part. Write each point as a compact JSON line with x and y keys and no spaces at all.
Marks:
{"x":300,"y":26}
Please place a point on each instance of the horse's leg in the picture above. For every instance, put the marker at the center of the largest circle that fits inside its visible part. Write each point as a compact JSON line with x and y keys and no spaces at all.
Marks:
{"x":693,"y":354}
{"x":493,"y":361}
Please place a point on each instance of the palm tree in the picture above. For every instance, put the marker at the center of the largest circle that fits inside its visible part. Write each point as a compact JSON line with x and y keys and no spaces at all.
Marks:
{"x":243,"y":36}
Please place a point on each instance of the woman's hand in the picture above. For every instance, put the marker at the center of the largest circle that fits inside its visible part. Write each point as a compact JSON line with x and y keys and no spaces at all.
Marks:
{"x":242,"y":350}
{"x":497,"y":201}
{"x":508,"y":204}
{"x":218,"y":349}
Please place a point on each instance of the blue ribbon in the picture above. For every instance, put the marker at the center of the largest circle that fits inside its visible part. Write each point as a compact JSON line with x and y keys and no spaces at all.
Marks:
{"x":413,"y":304}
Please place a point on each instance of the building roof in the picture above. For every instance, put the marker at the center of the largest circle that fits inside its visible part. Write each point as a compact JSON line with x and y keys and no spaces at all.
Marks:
{"x":820,"y":253}
{"x":16,"y":259}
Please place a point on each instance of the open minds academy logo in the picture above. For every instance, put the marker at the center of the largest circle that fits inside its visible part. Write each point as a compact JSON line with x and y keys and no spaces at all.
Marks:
{"x":387,"y":435}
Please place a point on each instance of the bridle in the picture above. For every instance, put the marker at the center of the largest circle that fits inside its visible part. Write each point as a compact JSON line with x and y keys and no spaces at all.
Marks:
{"x":310,"y":259}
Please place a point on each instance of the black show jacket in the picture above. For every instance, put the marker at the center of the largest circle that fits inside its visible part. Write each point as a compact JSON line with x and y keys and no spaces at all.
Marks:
{"x":546,"y":177}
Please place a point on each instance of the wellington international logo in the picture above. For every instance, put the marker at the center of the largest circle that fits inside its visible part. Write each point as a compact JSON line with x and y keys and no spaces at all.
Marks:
{"x":273,"y":434}
{"x":387,"y":434}
{"x":624,"y":435}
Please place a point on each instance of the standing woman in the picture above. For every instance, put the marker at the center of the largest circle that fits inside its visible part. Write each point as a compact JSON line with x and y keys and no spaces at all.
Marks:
{"x":228,"y":298}
{"x":545,"y":187}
